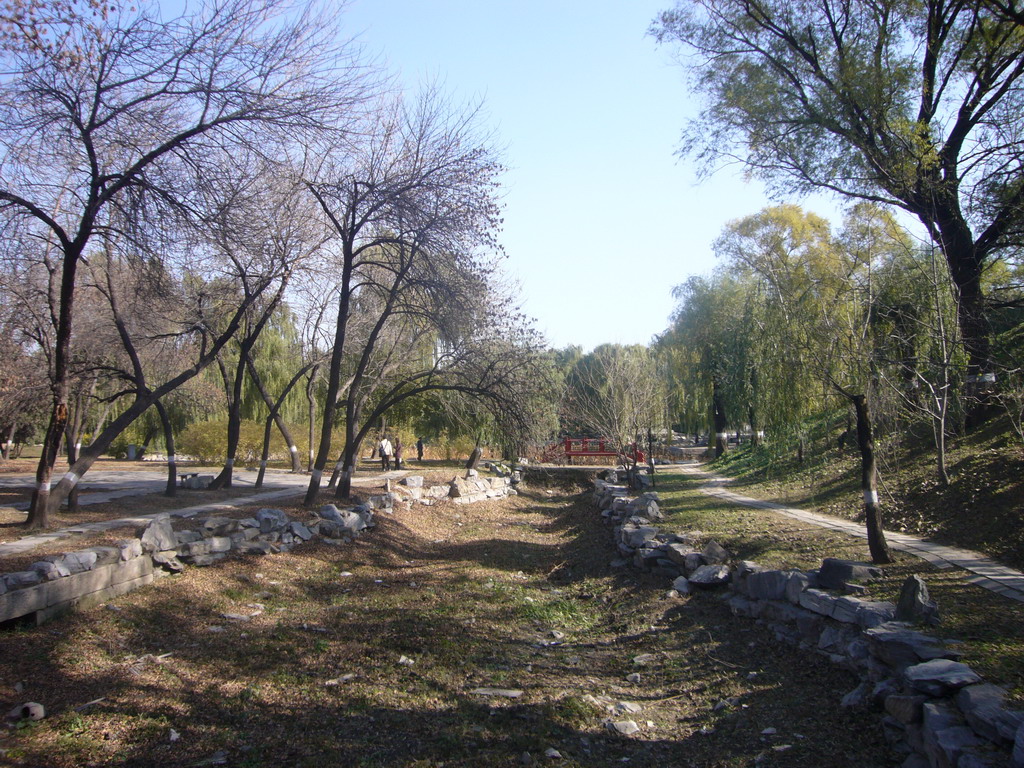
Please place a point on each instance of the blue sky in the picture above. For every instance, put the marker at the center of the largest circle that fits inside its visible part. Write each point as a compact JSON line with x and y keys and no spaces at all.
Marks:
{"x":602,"y":219}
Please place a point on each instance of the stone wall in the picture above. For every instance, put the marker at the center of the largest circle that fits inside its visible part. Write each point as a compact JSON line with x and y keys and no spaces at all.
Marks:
{"x":56,"y":584}
{"x":934,"y":710}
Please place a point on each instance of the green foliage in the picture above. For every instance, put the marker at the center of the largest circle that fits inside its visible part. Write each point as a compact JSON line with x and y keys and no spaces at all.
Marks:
{"x":207,"y":442}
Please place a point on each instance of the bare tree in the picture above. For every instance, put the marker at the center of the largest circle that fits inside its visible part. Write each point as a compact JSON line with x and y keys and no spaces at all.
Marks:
{"x":411,"y":205}
{"x":112,"y":123}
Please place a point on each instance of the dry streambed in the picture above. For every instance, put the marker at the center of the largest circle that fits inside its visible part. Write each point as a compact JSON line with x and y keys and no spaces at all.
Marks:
{"x":486,"y":635}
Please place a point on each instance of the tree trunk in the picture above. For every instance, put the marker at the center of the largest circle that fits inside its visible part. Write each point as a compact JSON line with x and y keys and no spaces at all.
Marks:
{"x":333,"y":380}
{"x":267,"y":429}
{"x":275,"y":414}
{"x":719,"y":419}
{"x":39,"y":510}
{"x":311,"y":399}
{"x":234,"y":394}
{"x":6,"y":448}
{"x":171,"y":490}
{"x":869,"y":482}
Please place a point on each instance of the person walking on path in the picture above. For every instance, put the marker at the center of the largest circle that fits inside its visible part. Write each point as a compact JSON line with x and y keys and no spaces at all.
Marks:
{"x":398,"y":453}
{"x":384,"y":449}
{"x":419,"y":449}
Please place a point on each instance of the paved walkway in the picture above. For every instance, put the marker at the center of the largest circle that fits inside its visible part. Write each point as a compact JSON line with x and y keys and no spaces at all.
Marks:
{"x":295,"y":484}
{"x":983,"y":571}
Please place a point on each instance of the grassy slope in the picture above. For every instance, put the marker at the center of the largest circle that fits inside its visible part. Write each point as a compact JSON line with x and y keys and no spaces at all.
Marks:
{"x":982,"y":509}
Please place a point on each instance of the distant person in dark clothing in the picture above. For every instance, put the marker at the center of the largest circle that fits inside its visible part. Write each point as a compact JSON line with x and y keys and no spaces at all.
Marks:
{"x":419,"y":449}
{"x":398,"y":453}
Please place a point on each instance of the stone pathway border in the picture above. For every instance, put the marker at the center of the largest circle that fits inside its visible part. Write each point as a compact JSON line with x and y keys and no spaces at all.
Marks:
{"x":28,"y":543}
{"x":983,"y":571}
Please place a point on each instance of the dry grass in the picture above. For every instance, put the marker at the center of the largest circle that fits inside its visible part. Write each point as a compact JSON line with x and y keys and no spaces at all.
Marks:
{"x":474,"y":596}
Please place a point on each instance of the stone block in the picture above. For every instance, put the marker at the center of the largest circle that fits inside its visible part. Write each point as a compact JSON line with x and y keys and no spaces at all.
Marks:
{"x":187,"y":537}
{"x":129,"y":549}
{"x":899,"y":646}
{"x":255,"y":547}
{"x":22,"y":579}
{"x":710,"y":575}
{"x":914,"y":603}
{"x":301,"y":531}
{"x":940,"y":677}
{"x":412,"y":481}
{"x":220,"y":526}
{"x":81,"y":561}
{"x":693,"y":561}
{"x":49,"y":570}
{"x":220,"y":543}
{"x":834,"y":573}
{"x":207,"y":559}
{"x":104,"y":555}
{"x":271,"y":520}
{"x":873,"y":613}
{"x":796,"y":583}
{"x":846,"y":609}
{"x":983,"y":706}
{"x":677,"y":553}
{"x":715,"y":554}
{"x":767,"y":585}
{"x":945,"y":748}
{"x":168,"y":560}
{"x":158,"y":536}
{"x":905,"y":708}
{"x":817,"y":601}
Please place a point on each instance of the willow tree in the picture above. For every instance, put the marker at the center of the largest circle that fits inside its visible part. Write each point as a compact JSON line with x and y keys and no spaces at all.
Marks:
{"x":916,"y":105}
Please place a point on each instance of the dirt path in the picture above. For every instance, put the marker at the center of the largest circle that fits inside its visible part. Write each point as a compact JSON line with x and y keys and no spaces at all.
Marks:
{"x":375,"y":655}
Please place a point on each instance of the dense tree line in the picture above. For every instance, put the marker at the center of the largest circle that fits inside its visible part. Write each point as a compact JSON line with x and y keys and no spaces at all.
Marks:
{"x":231,"y":200}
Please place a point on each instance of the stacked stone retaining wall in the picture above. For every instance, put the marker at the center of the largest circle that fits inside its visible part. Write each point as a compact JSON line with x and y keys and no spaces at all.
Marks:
{"x":934,"y":709}
{"x":82,"y":579}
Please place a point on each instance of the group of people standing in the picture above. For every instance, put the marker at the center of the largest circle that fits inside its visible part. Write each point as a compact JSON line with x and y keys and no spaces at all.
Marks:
{"x":386,"y":450}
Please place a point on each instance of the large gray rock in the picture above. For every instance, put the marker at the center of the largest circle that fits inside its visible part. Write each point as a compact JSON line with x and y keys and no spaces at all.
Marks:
{"x":412,"y":481}
{"x":187,"y":537}
{"x":220,"y":526}
{"x":983,"y":706}
{"x":693,"y":561}
{"x":818,"y":601}
{"x":22,"y":579}
{"x":835,"y":573}
{"x":300,"y":531}
{"x":767,"y":585}
{"x":330,"y":512}
{"x":875,"y":613}
{"x":796,"y":583}
{"x":710,"y":575}
{"x":81,"y":561}
{"x":715,"y":554}
{"x":271,"y":520}
{"x":945,"y":748}
{"x":50,"y":571}
{"x":158,"y":535}
{"x":915,"y":605}
{"x":1018,"y":748}
{"x":940,"y":676}
{"x":906,"y":709}
{"x":129,"y":549}
{"x":168,"y":560}
{"x":677,"y":553}
{"x":635,"y":536}
{"x":899,"y":646}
